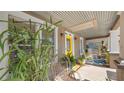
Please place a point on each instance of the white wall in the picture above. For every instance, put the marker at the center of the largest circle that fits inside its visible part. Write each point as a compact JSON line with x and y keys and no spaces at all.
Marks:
{"x":3,"y":26}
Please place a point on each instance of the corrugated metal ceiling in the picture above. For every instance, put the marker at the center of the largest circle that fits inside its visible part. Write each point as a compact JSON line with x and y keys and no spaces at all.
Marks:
{"x":105,"y":20}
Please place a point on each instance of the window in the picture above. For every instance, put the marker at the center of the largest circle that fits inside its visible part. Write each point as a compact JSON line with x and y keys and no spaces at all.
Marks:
{"x":18,"y":25}
{"x":50,"y":37}
{"x":81,"y":46}
{"x":114,"y":41}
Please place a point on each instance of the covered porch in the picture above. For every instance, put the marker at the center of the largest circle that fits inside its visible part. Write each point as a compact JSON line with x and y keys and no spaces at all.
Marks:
{"x":86,"y":46}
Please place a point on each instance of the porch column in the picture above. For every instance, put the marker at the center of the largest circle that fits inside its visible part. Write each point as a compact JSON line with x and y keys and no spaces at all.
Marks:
{"x":120,"y":72}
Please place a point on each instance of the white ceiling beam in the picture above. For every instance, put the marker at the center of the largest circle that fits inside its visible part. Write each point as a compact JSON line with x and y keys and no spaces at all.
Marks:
{"x":84,"y":26}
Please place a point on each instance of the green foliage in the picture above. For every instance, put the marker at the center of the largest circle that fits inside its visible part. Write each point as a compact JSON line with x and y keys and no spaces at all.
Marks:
{"x":29,"y":65}
{"x":73,"y":60}
{"x":3,"y":40}
{"x":68,"y":60}
{"x":107,"y":57}
{"x":81,"y":60}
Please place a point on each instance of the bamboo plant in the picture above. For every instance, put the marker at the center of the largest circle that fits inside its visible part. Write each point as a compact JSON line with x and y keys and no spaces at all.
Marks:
{"x":29,"y":65}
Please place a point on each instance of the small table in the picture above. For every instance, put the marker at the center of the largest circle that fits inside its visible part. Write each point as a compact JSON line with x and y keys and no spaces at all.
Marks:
{"x":120,"y":69}
{"x":118,"y":63}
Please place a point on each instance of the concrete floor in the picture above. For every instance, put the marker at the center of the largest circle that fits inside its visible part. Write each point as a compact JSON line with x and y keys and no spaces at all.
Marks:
{"x":95,"y":73}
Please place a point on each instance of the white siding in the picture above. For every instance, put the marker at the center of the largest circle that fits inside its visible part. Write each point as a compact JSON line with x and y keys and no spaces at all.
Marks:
{"x":114,"y":37}
{"x":3,"y":26}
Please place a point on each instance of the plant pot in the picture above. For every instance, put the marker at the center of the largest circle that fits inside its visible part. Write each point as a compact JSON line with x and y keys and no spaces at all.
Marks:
{"x":81,"y":62}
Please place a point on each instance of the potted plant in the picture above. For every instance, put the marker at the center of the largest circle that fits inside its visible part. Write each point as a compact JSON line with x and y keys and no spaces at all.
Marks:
{"x":81,"y":60}
{"x":30,"y":65}
{"x":68,"y":60}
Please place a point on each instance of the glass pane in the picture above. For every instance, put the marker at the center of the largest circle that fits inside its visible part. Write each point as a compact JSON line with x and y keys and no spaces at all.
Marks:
{"x":68,"y":44}
{"x":49,"y":37}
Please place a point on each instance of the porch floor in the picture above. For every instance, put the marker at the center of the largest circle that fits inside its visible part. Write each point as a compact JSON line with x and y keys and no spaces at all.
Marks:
{"x":95,"y":73}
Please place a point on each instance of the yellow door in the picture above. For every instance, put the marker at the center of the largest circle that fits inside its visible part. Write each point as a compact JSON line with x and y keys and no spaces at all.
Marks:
{"x":69,"y":45}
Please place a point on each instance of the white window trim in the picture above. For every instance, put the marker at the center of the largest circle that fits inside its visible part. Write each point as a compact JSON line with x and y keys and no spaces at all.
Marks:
{"x":114,"y":46}
{"x":56,"y":40}
{"x":81,"y":39}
